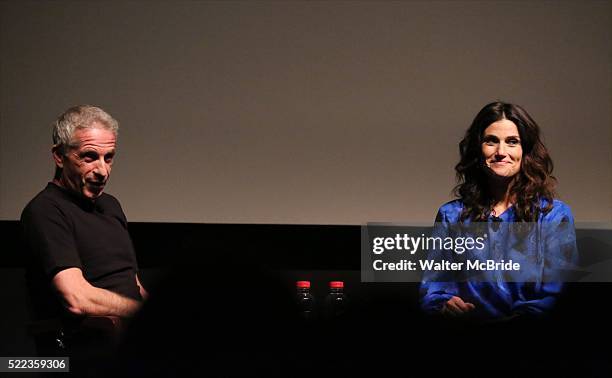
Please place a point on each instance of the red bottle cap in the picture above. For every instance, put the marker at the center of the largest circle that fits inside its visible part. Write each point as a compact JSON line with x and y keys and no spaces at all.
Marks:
{"x":303,"y":284}
{"x":336,"y":284}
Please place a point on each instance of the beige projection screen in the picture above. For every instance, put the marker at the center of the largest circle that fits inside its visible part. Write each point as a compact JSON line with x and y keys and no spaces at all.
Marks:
{"x":303,"y":112}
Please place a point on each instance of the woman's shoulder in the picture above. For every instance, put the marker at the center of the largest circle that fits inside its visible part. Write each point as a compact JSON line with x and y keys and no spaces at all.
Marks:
{"x":559,"y":210}
{"x":450,"y":211}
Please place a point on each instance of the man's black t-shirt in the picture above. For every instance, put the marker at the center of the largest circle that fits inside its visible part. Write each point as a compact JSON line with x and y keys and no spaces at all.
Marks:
{"x":63,"y":230}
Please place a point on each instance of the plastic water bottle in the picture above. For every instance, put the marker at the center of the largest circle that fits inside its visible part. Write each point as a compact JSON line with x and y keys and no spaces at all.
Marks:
{"x":335,"y":302}
{"x":305,"y":300}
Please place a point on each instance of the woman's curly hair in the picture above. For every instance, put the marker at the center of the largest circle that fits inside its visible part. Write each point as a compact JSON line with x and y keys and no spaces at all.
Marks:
{"x":532,"y":184}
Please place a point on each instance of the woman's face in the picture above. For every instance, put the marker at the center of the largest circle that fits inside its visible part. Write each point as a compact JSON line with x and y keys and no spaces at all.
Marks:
{"x":501,"y":148}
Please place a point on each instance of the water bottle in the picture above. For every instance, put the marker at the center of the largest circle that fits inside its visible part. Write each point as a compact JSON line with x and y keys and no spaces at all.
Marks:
{"x":305,"y":300}
{"x":335,"y":302}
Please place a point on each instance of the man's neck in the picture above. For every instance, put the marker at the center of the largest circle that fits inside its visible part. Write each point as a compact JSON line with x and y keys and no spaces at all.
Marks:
{"x":59,"y":182}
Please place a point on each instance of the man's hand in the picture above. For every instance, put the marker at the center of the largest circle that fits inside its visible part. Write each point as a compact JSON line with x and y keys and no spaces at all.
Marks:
{"x":456,"y":307}
{"x":143,"y":292}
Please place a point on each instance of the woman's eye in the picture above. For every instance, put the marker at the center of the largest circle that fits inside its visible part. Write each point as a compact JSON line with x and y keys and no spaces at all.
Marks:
{"x":490,"y":140}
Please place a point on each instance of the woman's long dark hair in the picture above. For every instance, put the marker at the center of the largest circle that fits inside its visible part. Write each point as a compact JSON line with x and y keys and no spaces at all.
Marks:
{"x":533,"y":183}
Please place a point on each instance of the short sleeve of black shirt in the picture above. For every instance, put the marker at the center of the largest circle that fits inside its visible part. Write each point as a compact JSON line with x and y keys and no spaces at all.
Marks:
{"x":63,"y":230}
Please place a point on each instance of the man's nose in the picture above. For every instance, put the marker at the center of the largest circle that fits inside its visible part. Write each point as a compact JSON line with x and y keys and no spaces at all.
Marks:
{"x":101,"y":169}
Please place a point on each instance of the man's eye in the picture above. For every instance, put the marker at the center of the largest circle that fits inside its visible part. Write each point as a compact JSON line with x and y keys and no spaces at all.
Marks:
{"x":109,"y":158}
{"x":89,"y":157}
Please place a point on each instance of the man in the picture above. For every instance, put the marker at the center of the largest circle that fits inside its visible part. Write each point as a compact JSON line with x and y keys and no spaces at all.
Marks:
{"x":81,"y":262}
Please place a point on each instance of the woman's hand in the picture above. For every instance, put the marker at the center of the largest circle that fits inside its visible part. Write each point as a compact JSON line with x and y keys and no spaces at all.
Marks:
{"x":456,"y":306}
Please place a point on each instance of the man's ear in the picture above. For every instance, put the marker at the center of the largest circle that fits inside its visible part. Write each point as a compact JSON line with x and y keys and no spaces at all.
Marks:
{"x":58,"y":157}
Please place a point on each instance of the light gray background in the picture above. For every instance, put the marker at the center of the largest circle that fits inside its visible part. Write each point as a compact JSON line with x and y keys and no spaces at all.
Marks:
{"x":308,"y":112}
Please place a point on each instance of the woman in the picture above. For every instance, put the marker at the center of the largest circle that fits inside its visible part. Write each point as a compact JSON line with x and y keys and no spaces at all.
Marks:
{"x":505,"y":179}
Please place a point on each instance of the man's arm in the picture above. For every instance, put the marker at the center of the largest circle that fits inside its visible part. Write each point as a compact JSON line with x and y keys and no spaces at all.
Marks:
{"x":79,"y":297}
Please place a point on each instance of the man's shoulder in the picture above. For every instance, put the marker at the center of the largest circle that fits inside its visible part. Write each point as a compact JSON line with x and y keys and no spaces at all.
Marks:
{"x":47,"y":199}
{"x":53,"y":199}
{"x":110,"y":205}
{"x":108,"y":201}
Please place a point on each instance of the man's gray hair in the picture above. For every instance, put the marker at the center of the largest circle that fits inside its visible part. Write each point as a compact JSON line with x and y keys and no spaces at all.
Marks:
{"x":80,"y":117}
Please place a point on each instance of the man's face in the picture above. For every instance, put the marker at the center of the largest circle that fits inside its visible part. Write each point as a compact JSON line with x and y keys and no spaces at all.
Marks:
{"x":87,"y":167}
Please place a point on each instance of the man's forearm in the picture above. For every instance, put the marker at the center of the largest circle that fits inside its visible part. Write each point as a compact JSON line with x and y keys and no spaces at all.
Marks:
{"x":82,"y":298}
{"x":105,"y":302}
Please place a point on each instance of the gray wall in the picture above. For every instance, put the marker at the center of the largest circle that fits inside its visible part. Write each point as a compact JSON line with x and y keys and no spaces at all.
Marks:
{"x":308,"y":112}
